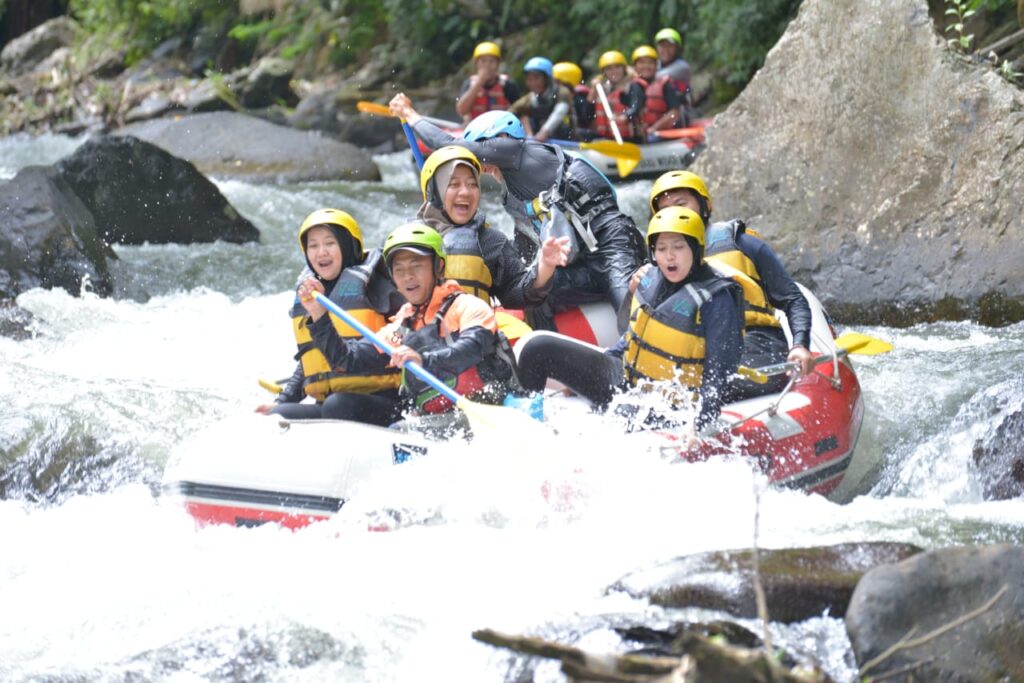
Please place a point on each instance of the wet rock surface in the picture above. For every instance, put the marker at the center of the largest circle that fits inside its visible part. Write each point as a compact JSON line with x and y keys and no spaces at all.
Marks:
{"x":958,"y":612}
{"x":886,"y":169}
{"x":799,"y":583}
{"x":232,"y":145}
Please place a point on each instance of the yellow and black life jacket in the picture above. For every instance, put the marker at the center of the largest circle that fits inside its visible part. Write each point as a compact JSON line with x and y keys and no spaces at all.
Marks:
{"x":666,"y":342}
{"x":722,"y":249}
{"x":465,"y":263}
{"x":350,"y":293}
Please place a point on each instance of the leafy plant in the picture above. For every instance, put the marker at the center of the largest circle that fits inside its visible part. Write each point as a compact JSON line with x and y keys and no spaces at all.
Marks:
{"x":961,"y":11}
{"x":1007,"y":71}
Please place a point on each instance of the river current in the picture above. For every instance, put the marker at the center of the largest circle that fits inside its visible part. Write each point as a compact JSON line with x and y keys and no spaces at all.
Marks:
{"x":103,"y":579}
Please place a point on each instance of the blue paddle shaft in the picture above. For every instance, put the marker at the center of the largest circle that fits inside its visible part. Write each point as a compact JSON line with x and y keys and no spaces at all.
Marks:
{"x":411,"y":137}
{"x":362,"y":329}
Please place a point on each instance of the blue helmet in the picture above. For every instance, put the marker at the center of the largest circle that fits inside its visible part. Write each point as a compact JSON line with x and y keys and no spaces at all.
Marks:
{"x":540,"y":64}
{"x":493,"y":123}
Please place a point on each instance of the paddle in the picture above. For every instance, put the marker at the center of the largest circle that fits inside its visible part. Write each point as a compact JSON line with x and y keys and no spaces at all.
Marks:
{"x":382,"y":110}
{"x":374,"y":108}
{"x":848,"y":342}
{"x":695,"y":132}
{"x":482,"y":417}
{"x":624,"y":165}
{"x":627,"y":151}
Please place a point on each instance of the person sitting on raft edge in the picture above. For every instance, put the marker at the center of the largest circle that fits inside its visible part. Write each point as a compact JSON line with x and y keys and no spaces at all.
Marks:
{"x":768,"y":285}
{"x":685,"y":329}
{"x":451,"y":334}
{"x":529,"y":169}
{"x":332,"y":245}
{"x":480,"y":258}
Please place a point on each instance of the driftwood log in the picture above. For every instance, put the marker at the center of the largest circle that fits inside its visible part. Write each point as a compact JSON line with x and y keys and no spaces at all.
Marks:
{"x":704,"y":661}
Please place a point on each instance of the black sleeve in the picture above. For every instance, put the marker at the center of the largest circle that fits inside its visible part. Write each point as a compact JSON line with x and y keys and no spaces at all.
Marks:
{"x":347,"y":355}
{"x":505,"y":153}
{"x":723,"y":337}
{"x":292,"y":391}
{"x":636,"y":98}
{"x":512,"y":280}
{"x":671,"y":94}
{"x":512,"y":91}
{"x":779,"y":287}
{"x":465,"y":352}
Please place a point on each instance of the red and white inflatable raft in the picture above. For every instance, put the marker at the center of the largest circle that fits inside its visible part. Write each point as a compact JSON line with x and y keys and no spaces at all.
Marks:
{"x":256,"y":469}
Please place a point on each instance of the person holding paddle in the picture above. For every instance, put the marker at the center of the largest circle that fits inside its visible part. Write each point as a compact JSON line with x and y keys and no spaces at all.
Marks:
{"x":685,"y":333}
{"x":450,"y":334}
{"x":481,"y":259}
{"x":625,"y":96}
{"x":356,"y":280}
{"x":730,"y":246}
{"x":538,"y":178}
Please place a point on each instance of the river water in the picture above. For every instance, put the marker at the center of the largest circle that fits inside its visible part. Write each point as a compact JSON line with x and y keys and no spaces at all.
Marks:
{"x":102,"y":579}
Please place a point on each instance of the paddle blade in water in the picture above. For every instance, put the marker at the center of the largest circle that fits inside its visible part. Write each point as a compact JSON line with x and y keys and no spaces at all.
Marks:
{"x":626,"y":166}
{"x":855,"y":342}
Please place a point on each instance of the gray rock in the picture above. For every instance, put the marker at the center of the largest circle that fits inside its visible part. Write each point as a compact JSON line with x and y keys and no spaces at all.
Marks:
{"x":204,"y":96}
{"x":933,"y":590}
{"x":887,"y":170}
{"x":48,"y":238}
{"x":999,"y":454}
{"x":26,"y":51}
{"x":799,"y":583}
{"x":14,"y":321}
{"x":152,"y":106}
{"x":139,"y":193}
{"x":227,"y":144}
{"x":267,"y":83}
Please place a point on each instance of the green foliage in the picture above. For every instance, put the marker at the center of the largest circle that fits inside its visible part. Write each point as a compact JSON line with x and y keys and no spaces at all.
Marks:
{"x":961,"y":12}
{"x":141,"y":25}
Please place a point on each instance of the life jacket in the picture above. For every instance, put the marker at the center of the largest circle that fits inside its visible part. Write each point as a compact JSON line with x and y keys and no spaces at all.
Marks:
{"x":666,"y":342}
{"x":723,"y":250}
{"x":541,"y":107}
{"x":465,"y":263}
{"x":489,"y":380}
{"x":350,"y":293}
{"x":490,"y":98}
{"x":603,"y":127}
{"x":656,"y":106}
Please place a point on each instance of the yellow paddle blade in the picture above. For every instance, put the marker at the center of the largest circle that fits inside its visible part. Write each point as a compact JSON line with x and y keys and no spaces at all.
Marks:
{"x":753,"y":374}
{"x":511,"y":326}
{"x":373,"y":108}
{"x":610,"y":148}
{"x":508,"y":423}
{"x":855,"y":342}
{"x":626,"y":166}
{"x":272,"y":387}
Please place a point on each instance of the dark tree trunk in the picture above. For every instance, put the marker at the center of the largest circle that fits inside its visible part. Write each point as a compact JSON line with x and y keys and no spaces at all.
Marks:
{"x":21,"y":16}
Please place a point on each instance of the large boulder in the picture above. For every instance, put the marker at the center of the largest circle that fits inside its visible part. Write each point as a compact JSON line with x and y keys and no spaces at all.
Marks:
{"x":886,"y":169}
{"x":139,"y":193}
{"x":999,"y":452}
{"x":799,"y":583}
{"x":48,"y":237}
{"x":26,"y":51}
{"x":232,"y":145}
{"x":959,"y":610}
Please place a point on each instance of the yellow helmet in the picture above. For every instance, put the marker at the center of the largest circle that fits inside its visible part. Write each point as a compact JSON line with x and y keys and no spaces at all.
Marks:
{"x":644,"y":51}
{"x":333,"y":217}
{"x":676,"y":219}
{"x":442,"y":156}
{"x":674,"y":180}
{"x":487,"y":49}
{"x":611,"y":58}
{"x":569,"y":73}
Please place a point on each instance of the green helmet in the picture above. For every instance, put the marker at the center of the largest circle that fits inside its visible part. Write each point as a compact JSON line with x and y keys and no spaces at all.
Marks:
{"x":668,"y":34}
{"x":417,"y":238}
